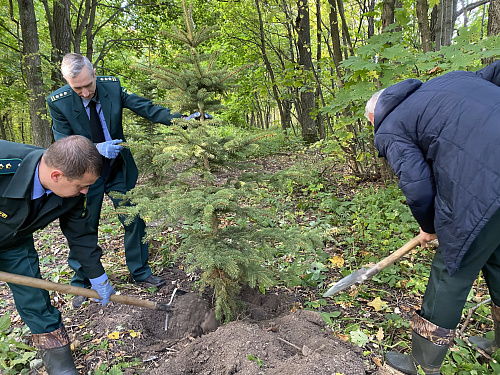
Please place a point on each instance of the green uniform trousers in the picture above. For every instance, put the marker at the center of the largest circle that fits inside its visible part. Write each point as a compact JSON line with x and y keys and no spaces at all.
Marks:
{"x":446,"y":295}
{"x":33,"y":304}
{"x":136,"y":252}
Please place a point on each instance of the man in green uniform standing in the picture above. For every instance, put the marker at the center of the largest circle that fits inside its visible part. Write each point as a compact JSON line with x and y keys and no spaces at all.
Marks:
{"x":38,"y":186}
{"x":92,"y":106}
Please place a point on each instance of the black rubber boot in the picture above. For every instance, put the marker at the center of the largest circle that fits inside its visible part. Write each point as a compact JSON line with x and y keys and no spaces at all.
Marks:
{"x":59,"y":361}
{"x":429,"y":346}
{"x":55,"y":350}
{"x":489,"y":346}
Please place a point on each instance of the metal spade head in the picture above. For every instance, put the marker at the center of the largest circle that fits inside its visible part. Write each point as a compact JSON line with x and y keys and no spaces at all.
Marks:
{"x":354,"y":278}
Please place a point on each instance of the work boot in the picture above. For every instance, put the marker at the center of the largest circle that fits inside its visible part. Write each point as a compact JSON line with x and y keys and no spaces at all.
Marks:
{"x":78,"y":301}
{"x":429,"y":346}
{"x":151,"y":281}
{"x":490,"y":346}
{"x":55,"y":351}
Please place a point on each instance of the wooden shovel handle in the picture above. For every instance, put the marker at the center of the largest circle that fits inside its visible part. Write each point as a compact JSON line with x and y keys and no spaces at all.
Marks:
{"x":69,"y":289}
{"x":403,"y":250}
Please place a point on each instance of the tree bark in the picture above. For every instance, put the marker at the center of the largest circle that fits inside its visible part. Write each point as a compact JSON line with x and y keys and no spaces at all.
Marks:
{"x":334,"y":29}
{"x":306,"y":104}
{"x":42,"y":134}
{"x":445,"y":22}
{"x":493,"y":18}
{"x":269,"y":68}
{"x":423,"y":25}
{"x":387,"y":16}
{"x":3,"y":133}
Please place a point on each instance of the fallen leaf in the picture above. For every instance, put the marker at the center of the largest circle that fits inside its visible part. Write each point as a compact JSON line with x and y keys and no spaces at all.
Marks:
{"x":377,"y":361}
{"x":343,"y":337}
{"x":377,"y":304}
{"x":380,"y":334}
{"x":114,"y":335}
{"x":134,"y":334}
{"x":337,"y":261}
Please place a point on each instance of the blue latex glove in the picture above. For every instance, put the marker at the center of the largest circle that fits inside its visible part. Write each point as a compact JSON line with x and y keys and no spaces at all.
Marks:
{"x":109,"y":149}
{"x":102,"y":286}
{"x":197,"y":115}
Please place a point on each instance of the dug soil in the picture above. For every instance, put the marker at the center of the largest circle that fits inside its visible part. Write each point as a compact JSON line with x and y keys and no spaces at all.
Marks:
{"x":268,"y":339}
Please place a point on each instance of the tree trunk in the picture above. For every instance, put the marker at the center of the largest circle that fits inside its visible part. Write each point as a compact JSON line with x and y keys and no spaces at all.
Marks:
{"x":317,"y":93}
{"x":493,"y":18}
{"x":445,"y":22}
{"x":3,"y":133}
{"x":387,"y":16}
{"x":42,"y":135}
{"x":423,"y":25}
{"x":269,"y":68}
{"x":306,"y":103}
{"x":371,"y":20}
{"x":334,"y":29}
{"x":62,"y":38}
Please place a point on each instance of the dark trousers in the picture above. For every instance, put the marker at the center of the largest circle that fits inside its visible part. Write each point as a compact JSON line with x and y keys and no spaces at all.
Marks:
{"x":33,"y":304}
{"x":136,"y":252}
{"x":446,"y":295}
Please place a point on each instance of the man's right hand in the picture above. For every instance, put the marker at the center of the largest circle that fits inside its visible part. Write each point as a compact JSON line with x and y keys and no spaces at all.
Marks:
{"x":425,"y":237}
{"x":103,"y":287}
{"x":109,"y":149}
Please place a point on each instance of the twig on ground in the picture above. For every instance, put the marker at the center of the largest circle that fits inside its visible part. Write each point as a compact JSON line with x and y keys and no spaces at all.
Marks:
{"x":469,"y":315}
{"x":289,"y":343}
{"x":480,"y":351}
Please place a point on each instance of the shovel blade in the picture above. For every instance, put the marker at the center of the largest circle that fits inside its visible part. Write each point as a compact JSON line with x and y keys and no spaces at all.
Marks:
{"x":356,"y":277}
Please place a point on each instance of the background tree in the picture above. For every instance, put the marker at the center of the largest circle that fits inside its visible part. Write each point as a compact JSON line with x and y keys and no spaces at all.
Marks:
{"x":42,"y":135}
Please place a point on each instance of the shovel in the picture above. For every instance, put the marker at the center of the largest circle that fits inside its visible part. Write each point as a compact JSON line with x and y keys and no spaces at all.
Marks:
{"x":90,"y":293}
{"x":367,"y":272}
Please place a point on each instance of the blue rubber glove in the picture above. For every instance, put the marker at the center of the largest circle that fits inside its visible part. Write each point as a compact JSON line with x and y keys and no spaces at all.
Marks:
{"x":102,"y":286}
{"x":197,"y":115}
{"x":109,"y":149}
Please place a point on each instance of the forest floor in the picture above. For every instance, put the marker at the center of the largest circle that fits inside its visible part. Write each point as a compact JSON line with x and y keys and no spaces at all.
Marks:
{"x":275,"y":334}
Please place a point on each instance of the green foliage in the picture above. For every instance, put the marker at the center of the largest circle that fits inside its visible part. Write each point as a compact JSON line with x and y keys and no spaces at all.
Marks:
{"x":14,"y":355}
{"x":199,"y":180}
{"x":256,"y":359}
{"x":384,"y":60}
{"x":463,"y":360}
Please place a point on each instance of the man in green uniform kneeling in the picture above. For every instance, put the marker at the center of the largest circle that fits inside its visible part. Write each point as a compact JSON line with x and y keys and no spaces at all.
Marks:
{"x":38,"y":186}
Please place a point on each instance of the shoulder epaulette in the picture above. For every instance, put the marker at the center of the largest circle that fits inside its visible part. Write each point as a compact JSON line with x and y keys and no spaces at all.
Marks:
{"x":9,"y":166}
{"x":59,"y":95}
{"x":107,"y":79}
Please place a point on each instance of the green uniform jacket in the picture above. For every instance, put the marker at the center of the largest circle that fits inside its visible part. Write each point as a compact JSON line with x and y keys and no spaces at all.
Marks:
{"x":17,"y":169}
{"x":69,"y":115}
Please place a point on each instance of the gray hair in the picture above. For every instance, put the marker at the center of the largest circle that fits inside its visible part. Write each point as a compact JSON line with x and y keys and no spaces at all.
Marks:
{"x":73,"y":63}
{"x":371,"y":103}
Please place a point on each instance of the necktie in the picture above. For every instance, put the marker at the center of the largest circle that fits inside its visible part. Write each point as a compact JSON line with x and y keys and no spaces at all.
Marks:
{"x":95,"y":124}
{"x":98,"y":135}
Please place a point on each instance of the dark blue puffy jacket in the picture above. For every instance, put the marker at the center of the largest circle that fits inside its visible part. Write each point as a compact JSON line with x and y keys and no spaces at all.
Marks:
{"x":442,"y":139}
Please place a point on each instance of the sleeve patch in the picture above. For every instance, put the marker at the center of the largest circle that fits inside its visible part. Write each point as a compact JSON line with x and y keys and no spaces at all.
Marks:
{"x":127,"y":91}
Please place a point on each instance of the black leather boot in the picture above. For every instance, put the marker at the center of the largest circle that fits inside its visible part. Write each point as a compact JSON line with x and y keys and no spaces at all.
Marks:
{"x":490,"y":346}
{"x":429,"y":346}
{"x":55,"y":351}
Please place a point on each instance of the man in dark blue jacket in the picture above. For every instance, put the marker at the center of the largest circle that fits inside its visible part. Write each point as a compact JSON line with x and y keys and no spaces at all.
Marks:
{"x":38,"y":186}
{"x":442,"y":138}
{"x":72,"y":108}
